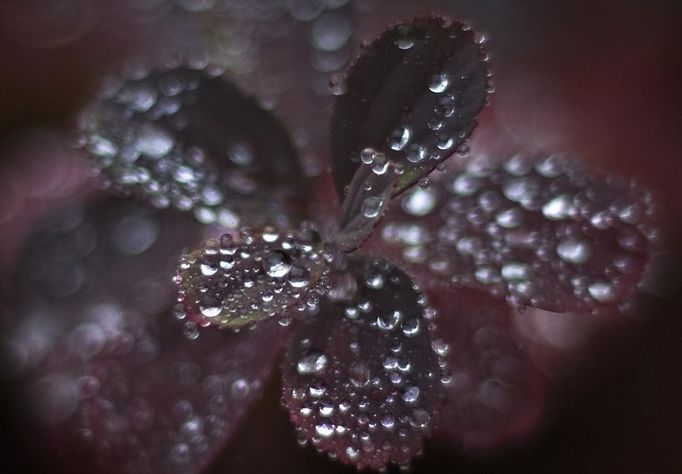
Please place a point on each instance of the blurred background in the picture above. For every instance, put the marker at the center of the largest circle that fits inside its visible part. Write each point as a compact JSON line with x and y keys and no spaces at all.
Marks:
{"x":600,"y":79}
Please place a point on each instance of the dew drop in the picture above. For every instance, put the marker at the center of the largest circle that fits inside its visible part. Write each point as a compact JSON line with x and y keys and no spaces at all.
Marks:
{"x":574,"y":251}
{"x":445,"y":106}
{"x":359,"y":373}
{"x":312,"y":362}
{"x":558,"y":208}
{"x":324,"y":429}
{"x":419,"y":202}
{"x":411,"y":395}
{"x":299,"y":277}
{"x":399,"y":138}
{"x":371,"y":206}
{"x":404,"y":37}
{"x":277,"y":264}
{"x":439,"y":83}
{"x":416,"y":153}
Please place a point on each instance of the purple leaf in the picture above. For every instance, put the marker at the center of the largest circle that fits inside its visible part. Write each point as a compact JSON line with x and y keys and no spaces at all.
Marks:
{"x":412,"y":98}
{"x":543,"y":231}
{"x":111,"y":376}
{"x":494,"y":394}
{"x":183,"y":138}
{"x":235,"y":283}
{"x":360,"y":380}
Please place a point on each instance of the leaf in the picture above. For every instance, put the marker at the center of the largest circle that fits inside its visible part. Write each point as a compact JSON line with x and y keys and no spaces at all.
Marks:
{"x":183,"y":138}
{"x":412,"y":95}
{"x":494,"y":394}
{"x":239,"y":282}
{"x":113,"y":381}
{"x":541,"y":231}
{"x":360,"y":380}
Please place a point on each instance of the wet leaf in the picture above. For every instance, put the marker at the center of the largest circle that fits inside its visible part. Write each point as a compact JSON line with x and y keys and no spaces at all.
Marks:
{"x":542,"y":231}
{"x":114,"y":381}
{"x":412,"y":97}
{"x":494,"y":394}
{"x":238,"y":282}
{"x":361,"y":381}
{"x":183,"y":138}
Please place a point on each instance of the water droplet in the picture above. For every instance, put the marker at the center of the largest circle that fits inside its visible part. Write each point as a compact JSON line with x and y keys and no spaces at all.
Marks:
{"x":574,"y":251}
{"x":374,"y":278}
{"x":324,"y":429}
{"x":371,"y":206}
{"x":445,"y":106}
{"x":419,"y":202}
{"x":510,"y":218}
{"x":210,"y":307}
{"x":411,"y":327}
{"x":191,"y":330}
{"x":399,"y":138}
{"x":359,"y":373}
{"x":153,"y":141}
{"x":299,"y":277}
{"x":240,"y":154}
{"x":240,"y":388}
{"x":338,"y":85}
{"x":390,"y":320}
{"x":465,"y":185}
{"x":416,"y":153}
{"x":602,"y":292}
{"x":516,"y":271}
{"x":277,"y":264}
{"x":367,"y":155}
{"x":313,"y":362}
{"x":561,"y":207}
{"x":439,"y":83}
{"x":380,"y":164}
{"x":410,"y":395}
{"x":404,"y":37}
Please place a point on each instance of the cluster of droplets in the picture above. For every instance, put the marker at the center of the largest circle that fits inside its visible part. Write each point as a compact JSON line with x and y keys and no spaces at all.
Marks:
{"x":103,"y":366}
{"x":238,"y":282}
{"x":363,"y":384}
{"x":422,"y":123}
{"x":540,"y":231}
{"x":449,"y":96}
{"x":133,"y":135}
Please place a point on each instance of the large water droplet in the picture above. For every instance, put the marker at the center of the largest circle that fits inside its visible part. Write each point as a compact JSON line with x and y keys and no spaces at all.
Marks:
{"x":313,"y":362}
{"x":399,"y":138}
{"x":277,"y":264}
{"x":439,"y":83}
{"x":574,"y":251}
{"x":371,"y":206}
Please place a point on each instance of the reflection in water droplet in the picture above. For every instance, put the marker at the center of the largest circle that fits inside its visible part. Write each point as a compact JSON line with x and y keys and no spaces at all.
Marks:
{"x":404,"y":37}
{"x":240,"y":154}
{"x":313,"y":362}
{"x":153,"y":141}
{"x":574,"y":251}
{"x":416,"y":153}
{"x":419,"y":201}
{"x":439,"y":83}
{"x":399,"y":138}
{"x":371,"y":206}
{"x":277,"y":264}
{"x":561,"y":207}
